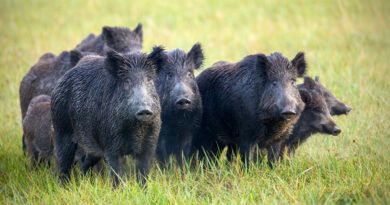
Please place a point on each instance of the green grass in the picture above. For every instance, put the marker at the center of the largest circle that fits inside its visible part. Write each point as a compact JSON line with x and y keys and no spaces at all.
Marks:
{"x":347,"y":44}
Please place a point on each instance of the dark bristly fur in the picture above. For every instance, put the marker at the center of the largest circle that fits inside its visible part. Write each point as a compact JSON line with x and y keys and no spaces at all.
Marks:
{"x":250,"y":102}
{"x":38,"y":131}
{"x":44,"y":75}
{"x":180,"y":123}
{"x":315,"y":118}
{"x":108,"y":106}
{"x":120,"y":39}
{"x":335,"y":106}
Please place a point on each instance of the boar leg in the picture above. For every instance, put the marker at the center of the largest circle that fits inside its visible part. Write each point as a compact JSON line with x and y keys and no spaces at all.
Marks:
{"x":89,"y":162}
{"x":112,"y":160}
{"x":183,"y":152}
{"x":143,"y":161}
{"x":65,"y":152}
{"x":23,"y":144}
{"x":273,"y":153}
{"x":231,"y":150}
{"x":162,"y":155}
{"x":34,"y":158}
{"x":292,"y":148}
{"x":245,"y":152}
{"x":283,"y":148}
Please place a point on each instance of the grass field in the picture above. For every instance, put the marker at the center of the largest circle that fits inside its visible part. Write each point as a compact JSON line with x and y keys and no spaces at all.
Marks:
{"x":347,"y":43}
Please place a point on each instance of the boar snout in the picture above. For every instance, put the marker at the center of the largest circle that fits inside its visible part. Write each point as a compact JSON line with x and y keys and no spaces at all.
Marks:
{"x":288,"y":113}
{"x":183,"y":94}
{"x":183,"y":103}
{"x":336,"y":131}
{"x":347,"y":109}
{"x":287,"y":106}
{"x":144,"y":114}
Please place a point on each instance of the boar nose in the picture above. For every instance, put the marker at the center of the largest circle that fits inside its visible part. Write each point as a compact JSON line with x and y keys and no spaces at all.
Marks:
{"x":144,"y":114}
{"x":336,"y":131}
{"x":287,"y":104}
{"x":347,"y":109}
{"x":183,"y":103}
{"x":288,"y":113}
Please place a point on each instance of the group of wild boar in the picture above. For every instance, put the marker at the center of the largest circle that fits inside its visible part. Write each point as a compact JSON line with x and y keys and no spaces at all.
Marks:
{"x":107,"y":99}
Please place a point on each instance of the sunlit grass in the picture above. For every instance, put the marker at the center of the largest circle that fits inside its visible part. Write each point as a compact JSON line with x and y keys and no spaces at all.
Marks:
{"x":346,"y":43}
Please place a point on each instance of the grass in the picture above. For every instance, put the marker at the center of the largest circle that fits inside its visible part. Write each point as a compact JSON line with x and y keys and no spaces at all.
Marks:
{"x":347,"y":44}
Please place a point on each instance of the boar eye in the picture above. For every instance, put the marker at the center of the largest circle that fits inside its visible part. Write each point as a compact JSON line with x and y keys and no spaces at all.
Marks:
{"x":190,"y":75}
{"x":273,"y":83}
{"x":169,"y":75}
{"x":293,"y":82}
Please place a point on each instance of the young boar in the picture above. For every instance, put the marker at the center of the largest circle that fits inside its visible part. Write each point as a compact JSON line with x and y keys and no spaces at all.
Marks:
{"x":44,"y":75}
{"x":250,"y":102}
{"x":38,"y":131}
{"x":108,"y":106}
{"x":315,"y":118}
{"x":181,"y":105}
{"x":335,"y":106}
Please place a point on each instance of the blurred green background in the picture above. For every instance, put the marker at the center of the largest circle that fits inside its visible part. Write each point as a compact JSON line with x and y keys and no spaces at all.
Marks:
{"x":346,"y":43}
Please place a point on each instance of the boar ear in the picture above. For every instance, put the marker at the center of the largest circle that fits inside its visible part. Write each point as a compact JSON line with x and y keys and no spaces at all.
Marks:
{"x":317,"y":79}
{"x":47,"y":56}
{"x":115,"y":63}
{"x":196,"y":56}
{"x":157,"y":57}
{"x":107,"y":33}
{"x":262,"y":62}
{"x":75,"y":56}
{"x":299,"y":63}
{"x":138,"y":31}
{"x":309,"y":83}
{"x":305,"y":96}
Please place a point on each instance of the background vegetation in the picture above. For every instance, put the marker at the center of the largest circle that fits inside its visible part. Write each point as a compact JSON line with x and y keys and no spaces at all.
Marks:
{"x":347,"y":44}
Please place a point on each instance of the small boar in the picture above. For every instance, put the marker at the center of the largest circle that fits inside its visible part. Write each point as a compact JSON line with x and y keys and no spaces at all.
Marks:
{"x":250,"y":102}
{"x":38,"y":131}
{"x":120,"y":39}
{"x":181,"y":105}
{"x":44,"y":75}
{"x":314,"y":119}
{"x":335,"y":106}
{"x":108,"y":106}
